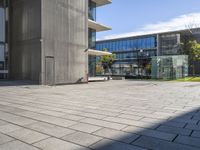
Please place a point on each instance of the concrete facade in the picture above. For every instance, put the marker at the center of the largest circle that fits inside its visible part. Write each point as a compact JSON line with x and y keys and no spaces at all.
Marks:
{"x":64,"y":41}
{"x":49,"y":40}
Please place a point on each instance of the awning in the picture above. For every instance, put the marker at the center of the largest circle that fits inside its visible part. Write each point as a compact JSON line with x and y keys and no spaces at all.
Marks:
{"x":97,"y":26}
{"x":102,"y":2}
{"x":98,"y":53}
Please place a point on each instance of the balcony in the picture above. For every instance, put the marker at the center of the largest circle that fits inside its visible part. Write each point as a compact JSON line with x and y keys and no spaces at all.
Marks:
{"x":102,"y":2}
{"x":97,"y":26}
{"x":93,"y":52}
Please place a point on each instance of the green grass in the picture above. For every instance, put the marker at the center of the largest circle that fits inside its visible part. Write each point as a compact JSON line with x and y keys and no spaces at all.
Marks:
{"x":190,"y":79}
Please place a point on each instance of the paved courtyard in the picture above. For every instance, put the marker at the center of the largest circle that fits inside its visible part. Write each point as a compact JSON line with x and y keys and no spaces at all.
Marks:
{"x":115,"y":115}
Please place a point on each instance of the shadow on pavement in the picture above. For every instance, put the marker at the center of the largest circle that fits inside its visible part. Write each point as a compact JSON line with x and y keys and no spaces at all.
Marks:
{"x":16,"y":83}
{"x":178,"y":133}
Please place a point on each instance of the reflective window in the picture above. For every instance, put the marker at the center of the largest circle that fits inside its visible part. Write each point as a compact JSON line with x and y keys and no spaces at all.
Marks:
{"x":92,"y":38}
{"x":92,"y":10}
{"x":129,"y":44}
{"x":2,"y":23}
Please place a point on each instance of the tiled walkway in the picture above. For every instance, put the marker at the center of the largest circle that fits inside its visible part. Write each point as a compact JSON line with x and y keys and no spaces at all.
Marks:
{"x":115,"y":115}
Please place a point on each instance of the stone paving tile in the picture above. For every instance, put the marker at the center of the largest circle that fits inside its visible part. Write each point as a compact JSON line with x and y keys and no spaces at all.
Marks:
{"x":181,"y":120}
{"x":54,"y":120}
{"x":196,"y":134}
{"x":174,"y":130}
{"x":3,"y":123}
{"x":72,"y":117}
{"x":193,"y":127}
{"x":103,"y":123}
{"x":188,"y":140}
{"x":27,"y":114}
{"x":17,"y":145}
{"x":116,"y":135}
{"x":15,"y":119}
{"x":173,"y":146}
{"x":85,"y":127}
{"x":174,"y":124}
{"x":91,"y":115}
{"x":81,"y":138}
{"x":28,"y":108}
{"x":125,"y":116}
{"x":113,"y":145}
{"x":10,"y":109}
{"x":156,"y":116}
{"x":152,"y":120}
{"x":56,"y":144}
{"x":28,"y":136}
{"x":151,"y":133}
{"x":52,"y":113}
{"x":132,"y":122}
{"x":9,"y":128}
{"x":5,"y":139}
{"x":147,"y":142}
{"x":50,"y":129}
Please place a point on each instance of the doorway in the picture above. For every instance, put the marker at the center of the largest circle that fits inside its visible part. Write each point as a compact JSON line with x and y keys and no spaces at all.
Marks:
{"x":49,"y":70}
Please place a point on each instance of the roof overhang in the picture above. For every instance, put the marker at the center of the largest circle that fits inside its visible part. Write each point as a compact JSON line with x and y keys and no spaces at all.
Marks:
{"x":97,"y":26}
{"x":102,"y":2}
{"x":93,"y":52}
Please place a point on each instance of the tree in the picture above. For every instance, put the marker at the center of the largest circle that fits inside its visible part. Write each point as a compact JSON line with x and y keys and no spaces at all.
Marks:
{"x":192,"y":48}
{"x":194,"y":51}
{"x":106,"y":61}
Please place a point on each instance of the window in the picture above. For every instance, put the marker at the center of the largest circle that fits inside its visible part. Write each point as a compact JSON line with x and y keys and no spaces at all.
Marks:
{"x":92,"y":10}
{"x":2,"y":23}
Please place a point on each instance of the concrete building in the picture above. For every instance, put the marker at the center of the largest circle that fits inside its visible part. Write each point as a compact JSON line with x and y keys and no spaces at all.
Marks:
{"x":134,"y":54}
{"x":46,"y":41}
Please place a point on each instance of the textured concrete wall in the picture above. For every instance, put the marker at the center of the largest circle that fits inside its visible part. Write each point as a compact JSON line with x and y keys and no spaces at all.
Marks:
{"x":64,"y":40}
{"x":25,"y":45}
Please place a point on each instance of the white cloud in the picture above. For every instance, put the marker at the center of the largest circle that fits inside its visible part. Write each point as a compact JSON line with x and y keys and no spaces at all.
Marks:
{"x":179,"y":23}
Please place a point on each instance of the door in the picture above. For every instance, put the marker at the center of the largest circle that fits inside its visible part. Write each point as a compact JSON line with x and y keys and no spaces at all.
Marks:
{"x":50,"y":70}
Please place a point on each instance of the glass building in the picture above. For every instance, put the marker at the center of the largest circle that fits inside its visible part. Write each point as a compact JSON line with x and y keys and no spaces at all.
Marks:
{"x":131,"y":53}
{"x":134,"y":54}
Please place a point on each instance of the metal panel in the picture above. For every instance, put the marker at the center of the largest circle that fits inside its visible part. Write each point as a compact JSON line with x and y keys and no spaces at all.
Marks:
{"x":49,"y":66}
{"x":65,"y":37}
{"x":25,"y":51}
{"x":2,"y":53}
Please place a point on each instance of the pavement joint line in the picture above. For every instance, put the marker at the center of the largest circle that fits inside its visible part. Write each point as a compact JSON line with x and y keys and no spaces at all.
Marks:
{"x":50,"y":136}
{"x":175,"y":138}
{"x":62,"y":111}
{"x":18,"y":140}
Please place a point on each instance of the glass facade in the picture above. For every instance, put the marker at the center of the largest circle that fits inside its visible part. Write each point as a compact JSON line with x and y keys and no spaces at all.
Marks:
{"x":3,"y":41}
{"x":92,"y":10}
{"x":170,"y":44}
{"x":132,"y":54}
{"x":170,"y":67}
{"x":92,"y":38}
{"x":128,"y":44}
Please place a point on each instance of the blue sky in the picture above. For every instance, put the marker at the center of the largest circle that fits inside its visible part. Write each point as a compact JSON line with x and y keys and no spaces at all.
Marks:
{"x":129,"y":17}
